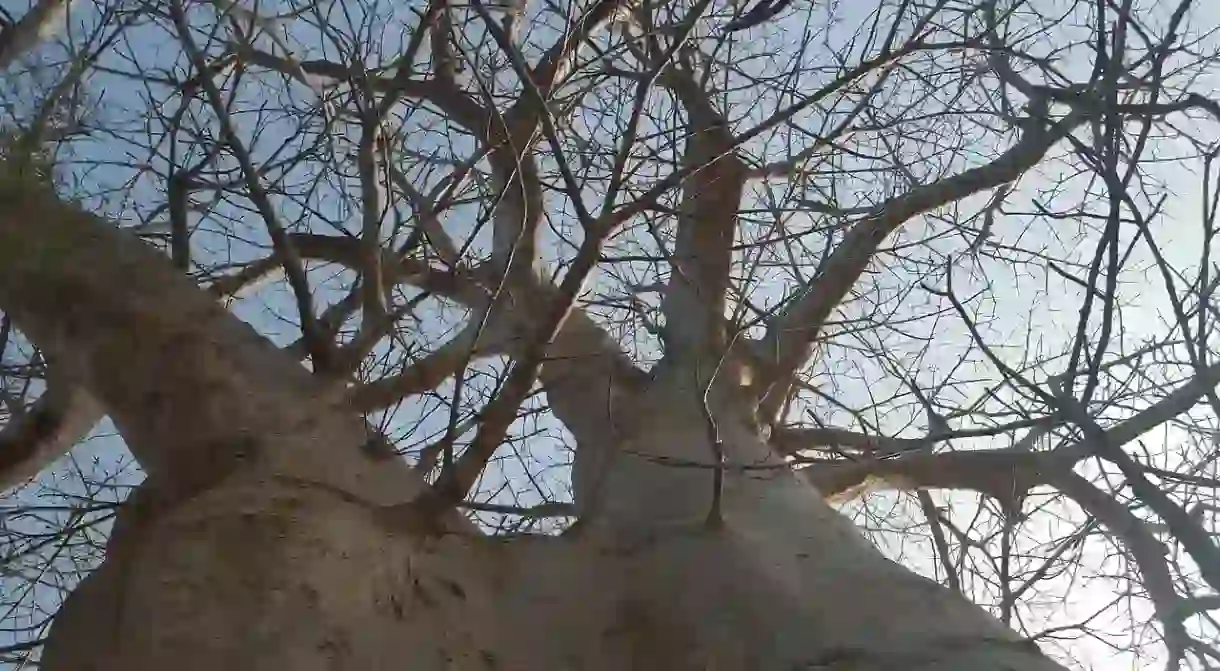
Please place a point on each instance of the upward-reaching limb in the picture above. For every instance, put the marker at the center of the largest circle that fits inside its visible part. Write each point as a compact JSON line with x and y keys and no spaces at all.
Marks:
{"x":792,"y":334}
{"x":58,"y":420}
{"x":41,"y":22}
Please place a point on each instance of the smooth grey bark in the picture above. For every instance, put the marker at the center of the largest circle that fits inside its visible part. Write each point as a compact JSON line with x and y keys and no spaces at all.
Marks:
{"x":257,"y":542}
{"x":60,"y":418}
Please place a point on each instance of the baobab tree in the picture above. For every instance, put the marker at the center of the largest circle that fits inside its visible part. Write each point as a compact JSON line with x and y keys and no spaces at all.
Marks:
{"x":594,"y":336}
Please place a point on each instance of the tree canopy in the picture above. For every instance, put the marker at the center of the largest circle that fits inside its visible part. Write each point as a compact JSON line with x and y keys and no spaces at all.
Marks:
{"x":957,"y":255}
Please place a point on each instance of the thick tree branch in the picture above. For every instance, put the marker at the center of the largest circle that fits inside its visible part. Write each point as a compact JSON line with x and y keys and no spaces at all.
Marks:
{"x":226,"y":287}
{"x":372,"y":295}
{"x":1007,"y":475}
{"x":459,"y":475}
{"x":1194,"y":538}
{"x":454,"y":103}
{"x":58,"y":420}
{"x":41,"y":22}
{"x":1147,"y":552}
{"x":467,"y":286}
{"x":790,"y":440}
{"x":424,"y":374}
{"x":696,"y":293}
{"x":510,"y":139}
{"x":1004,"y":475}
{"x":1103,"y":443}
{"x":793,"y":439}
{"x":842,"y":475}
{"x":512,"y":136}
{"x":66,"y":412}
{"x":789,"y":341}
{"x":583,"y":366}
{"x":195,"y":392}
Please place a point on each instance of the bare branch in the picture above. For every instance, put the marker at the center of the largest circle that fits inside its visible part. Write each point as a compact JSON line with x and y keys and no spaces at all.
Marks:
{"x":318,"y":349}
{"x":43,"y":21}
{"x":582,"y":361}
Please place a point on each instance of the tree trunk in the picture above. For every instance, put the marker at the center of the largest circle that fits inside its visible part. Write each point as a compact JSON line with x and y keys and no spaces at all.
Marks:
{"x":259,"y":541}
{"x":258,"y":574}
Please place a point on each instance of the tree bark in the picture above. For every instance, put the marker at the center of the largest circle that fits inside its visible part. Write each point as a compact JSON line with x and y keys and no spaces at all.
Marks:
{"x":258,"y":541}
{"x":60,"y":418}
{"x":42,"y":21}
